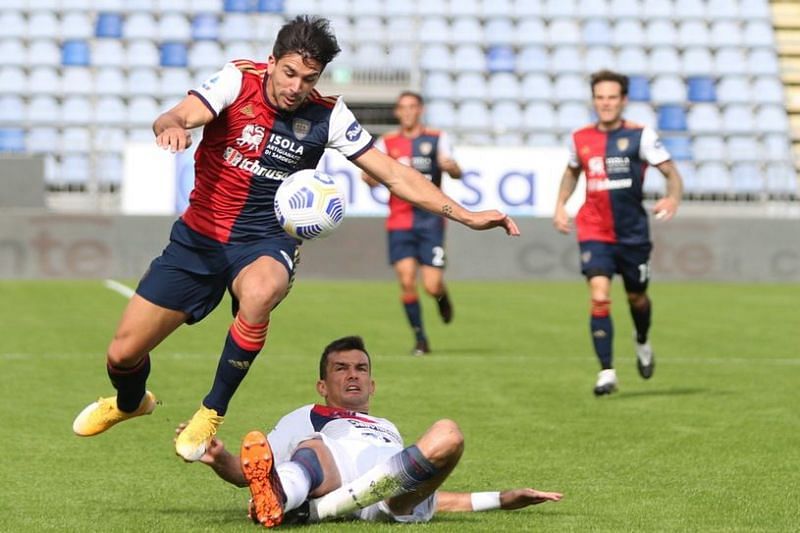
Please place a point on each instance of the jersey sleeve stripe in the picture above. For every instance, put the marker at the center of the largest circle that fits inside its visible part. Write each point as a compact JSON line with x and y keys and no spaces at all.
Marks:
{"x":205,"y":102}
{"x":361,"y":152}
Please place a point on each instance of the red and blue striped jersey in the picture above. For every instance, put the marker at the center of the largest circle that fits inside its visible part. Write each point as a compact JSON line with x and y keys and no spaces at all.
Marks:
{"x":421,"y":152}
{"x":614,"y":163}
{"x":250,"y":147}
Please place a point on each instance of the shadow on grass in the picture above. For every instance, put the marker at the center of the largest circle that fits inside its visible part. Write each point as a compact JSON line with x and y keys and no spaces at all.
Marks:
{"x":686,"y":391}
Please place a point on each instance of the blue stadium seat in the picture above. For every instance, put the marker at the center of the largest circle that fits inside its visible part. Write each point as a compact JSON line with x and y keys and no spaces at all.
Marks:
{"x":672,"y":117}
{"x":174,"y":54}
{"x":240,"y":6}
{"x":501,"y":58}
{"x":108,"y":25}
{"x":701,"y":89}
{"x":12,"y":140}
{"x":680,"y":148}
{"x":270,"y":6}
{"x":75,"y":53}
{"x":638,"y":89}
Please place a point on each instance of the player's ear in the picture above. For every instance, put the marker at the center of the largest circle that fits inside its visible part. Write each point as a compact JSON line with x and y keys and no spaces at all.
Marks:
{"x":371,"y":387}
{"x":322,"y":390}
{"x":271,"y":61}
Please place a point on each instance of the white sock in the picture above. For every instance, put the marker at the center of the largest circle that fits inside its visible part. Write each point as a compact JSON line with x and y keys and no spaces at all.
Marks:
{"x":375,"y":485}
{"x":296,"y":484}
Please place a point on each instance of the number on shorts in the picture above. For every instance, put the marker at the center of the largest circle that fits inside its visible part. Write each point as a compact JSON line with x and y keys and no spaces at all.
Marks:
{"x":644,"y":272}
{"x":438,"y":256}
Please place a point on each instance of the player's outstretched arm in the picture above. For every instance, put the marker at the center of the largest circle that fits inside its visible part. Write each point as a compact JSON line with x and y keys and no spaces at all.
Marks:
{"x":666,"y":207}
{"x":569,"y":181}
{"x":410,"y":185}
{"x":172,"y":127}
{"x":507,"y":500}
{"x":226,"y":465}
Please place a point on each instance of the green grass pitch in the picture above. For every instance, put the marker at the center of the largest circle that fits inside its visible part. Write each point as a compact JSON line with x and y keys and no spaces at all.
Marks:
{"x":711,"y":443}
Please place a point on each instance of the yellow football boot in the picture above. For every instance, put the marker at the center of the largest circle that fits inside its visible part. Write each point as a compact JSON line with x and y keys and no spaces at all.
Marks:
{"x":102,"y":414}
{"x":192,"y":442}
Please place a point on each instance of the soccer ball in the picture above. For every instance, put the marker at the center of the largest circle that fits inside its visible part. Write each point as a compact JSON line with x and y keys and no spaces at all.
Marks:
{"x":309,"y":204}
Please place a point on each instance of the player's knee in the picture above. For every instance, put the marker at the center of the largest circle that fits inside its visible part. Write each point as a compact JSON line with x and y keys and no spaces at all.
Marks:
{"x":638,"y":300}
{"x":450,"y":437}
{"x":261,"y":298}
{"x":122,"y":351}
{"x":600,"y":307}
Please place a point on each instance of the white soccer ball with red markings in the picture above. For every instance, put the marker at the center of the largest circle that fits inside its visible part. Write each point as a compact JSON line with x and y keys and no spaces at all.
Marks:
{"x":309,"y":204}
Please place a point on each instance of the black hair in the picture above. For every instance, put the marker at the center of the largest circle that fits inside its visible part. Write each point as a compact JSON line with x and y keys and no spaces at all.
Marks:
{"x":311,"y":37}
{"x":353,"y":342}
{"x":610,"y":75}
{"x":413,"y":95}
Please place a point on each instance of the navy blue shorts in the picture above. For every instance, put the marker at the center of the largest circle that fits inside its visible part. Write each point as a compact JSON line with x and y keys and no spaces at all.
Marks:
{"x":426,"y":246}
{"x":632,"y":262}
{"x":193,"y":271}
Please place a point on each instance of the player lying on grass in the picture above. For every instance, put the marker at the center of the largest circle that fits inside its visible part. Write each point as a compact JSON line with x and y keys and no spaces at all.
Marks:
{"x":336,"y":460}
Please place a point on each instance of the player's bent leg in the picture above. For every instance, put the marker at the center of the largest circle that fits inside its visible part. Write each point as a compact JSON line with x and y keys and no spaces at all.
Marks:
{"x":433,"y":281}
{"x":258,"y":467}
{"x":143,"y":326}
{"x":258,"y":287}
{"x":442,"y":446}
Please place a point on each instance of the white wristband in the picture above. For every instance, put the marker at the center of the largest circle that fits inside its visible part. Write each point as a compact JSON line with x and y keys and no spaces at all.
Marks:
{"x":485,"y":501}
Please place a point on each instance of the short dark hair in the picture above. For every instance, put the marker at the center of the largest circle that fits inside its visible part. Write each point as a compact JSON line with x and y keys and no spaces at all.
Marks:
{"x":352,"y":342}
{"x":610,"y":75}
{"x":311,"y":37}
{"x":413,"y":95}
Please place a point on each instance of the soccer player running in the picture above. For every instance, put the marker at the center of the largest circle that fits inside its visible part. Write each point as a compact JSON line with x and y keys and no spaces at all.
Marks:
{"x":262,"y":122}
{"x":350,"y":463}
{"x":416,"y":236}
{"x":613,"y":231}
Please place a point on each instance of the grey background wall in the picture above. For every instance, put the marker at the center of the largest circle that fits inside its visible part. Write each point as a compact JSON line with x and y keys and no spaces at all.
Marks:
{"x":38,"y":244}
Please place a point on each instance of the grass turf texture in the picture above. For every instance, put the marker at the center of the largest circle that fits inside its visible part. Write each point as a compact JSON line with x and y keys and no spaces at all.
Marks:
{"x":709,"y":444}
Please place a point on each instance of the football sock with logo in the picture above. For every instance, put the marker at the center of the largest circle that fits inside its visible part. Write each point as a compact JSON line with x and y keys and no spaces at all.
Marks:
{"x":299,"y":477}
{"x":602,"y":330}
{"x":242,"y":345}
{"x":641,"y":320}
{"x":401,"y":473}
{"x":130,"y":383}
{"x":414,"y":314}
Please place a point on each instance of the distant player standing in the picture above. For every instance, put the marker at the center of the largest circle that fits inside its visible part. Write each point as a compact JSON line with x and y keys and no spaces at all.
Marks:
{"x":262,"y":122}
{"x":613,"y":231}
{"x":416,"y":237}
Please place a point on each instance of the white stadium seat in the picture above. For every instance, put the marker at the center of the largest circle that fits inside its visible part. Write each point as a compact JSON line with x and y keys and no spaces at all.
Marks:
{"x":43,"y":110}
{"x":593,"y":9}
{"x":142,"y":110}
{"x":733,"y":90}
{"x":571,"y":87}
{"x":725,"y":33}
{"x":108,"y":53}
{"x":729,"y":61}
{"x":206,"y":54}
{"x":440,"y":112}
{"x":240,"y":50}
{"x":42,"y":140}
{"x":76,"y":25}
{"x":690,"y":9}
{"x":12,"y":110}
{"x":641,"y":113}
{"x":499,"y":31}
{"x":504,"y":86}
{"x":762,"y":61}
{"x":530,"y":31}
{"x":737,"y":118}
{"x":629,"y":9}
{"x":470,"y":86}
{"x":565,"y":59}
{"x":777,"y":148}
{"x":723,"y":9}
{"x":758,"y":33}
{"x":536,"y":86}
{"x":693,"y":32}
{"x":237,"y":27}
{"x":572,"y":115}
{"x":43,"y":25}
{"x":634,"y":60}
{"x":141,"y":25}
{"x":466,"y":30}
{"x":370,"y":55}
{"x":174,"y":27}
{"x":110,"y":110}
{"x":142,"y":81}
{"x":109,"y":81}
{"x":560,"y":8}
{"x":709,"y":148}
{"x":660,"y":32}
{"x":600,"y":57}
{"x":142,"y":54}
{"x":435,"y":57}
{"x":12,"y":80}
{"x":106,"y":139}
{"x":668,"y":89}
{"x":658,"y":9}
{"x":438,"y":85}
{"x":664,"y":60}
{"x":77,"y":80}
{"x":401,"y":30}
{"x":434,"y":30}
{"x":44,"y":80}
{"x":704,"y":118}
{"x":75,"y":169}
{"x":743,"y":148}
{"x":697,"y":61}
{"x":539,"y":116}
{"x":533,"y":58}
{"x":506,"y":116}
{"x":597,"y":32}
{"x":14,"y":53}
{"x":473,"y":115}
{"x":433,"y":8}
{"x":628,"y":32}
{"x":564,"y":31}
{"x":768,"y":90}
{"x":77,"y":110}
{"x":469,"y":58}
{"x":75,"y":140}
{"x":772,"y":119}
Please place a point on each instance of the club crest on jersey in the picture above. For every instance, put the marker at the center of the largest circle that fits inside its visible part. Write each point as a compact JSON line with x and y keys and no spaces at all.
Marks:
{"x":300,"y":128}
{"x":251,"y":137}
{"x":425,"y":148}
{"x":353,"y":131}
{"x":622,"y":144}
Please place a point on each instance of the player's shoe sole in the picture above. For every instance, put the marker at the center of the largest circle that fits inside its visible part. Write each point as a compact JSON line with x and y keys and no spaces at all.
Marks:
{"x":101,"y":415}
{"x":193,"y":441}
{"x":421,"y":348}
{"x":445,"y":308}
{"x":606,"y":382}
{"x":645,"y":359}
{"x":258,"y":467}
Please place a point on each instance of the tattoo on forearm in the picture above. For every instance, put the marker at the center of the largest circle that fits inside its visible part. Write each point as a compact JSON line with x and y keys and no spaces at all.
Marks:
{"x":447,"y":210}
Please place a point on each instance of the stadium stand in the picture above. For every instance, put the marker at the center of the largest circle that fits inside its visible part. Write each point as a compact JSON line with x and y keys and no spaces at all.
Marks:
{"x":706,"y":72}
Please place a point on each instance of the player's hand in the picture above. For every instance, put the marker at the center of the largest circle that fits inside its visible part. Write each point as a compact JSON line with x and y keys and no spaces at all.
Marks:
{"x":449,"y":165}
{"x":665,"y":208}
{"x":213,"y":450}
{"x":493,"y":219}
{"x":174,"y":139}
{"x":561,"y":220}
{"x":519,"y":498}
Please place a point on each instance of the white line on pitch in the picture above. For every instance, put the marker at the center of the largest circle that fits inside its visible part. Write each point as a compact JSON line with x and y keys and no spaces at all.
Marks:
{"x":119,"y":288}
